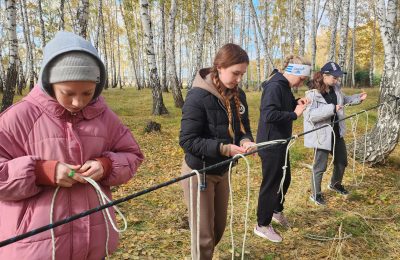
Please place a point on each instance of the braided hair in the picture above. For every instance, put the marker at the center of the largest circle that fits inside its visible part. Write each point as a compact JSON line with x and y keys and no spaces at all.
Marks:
{"x":228,"y":55}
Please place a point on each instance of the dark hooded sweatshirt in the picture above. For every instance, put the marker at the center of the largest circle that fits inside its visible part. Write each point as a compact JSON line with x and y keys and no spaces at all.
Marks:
{"x":276,"y":110}
{"x":204,"y":124}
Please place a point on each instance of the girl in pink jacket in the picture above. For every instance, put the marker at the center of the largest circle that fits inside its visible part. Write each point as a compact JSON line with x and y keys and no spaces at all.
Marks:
{"x":60,"y":133}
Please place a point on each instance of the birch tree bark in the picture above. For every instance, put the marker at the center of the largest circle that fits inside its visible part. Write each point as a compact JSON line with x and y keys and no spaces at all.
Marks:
{"x":164,"y":85}
{"x":173,"y":78}
{"x":199,"y":42}
{"x":12,"y":73}
{"x":42,"y":28}
{"x":383,"y":138}
{"x":335,"y":8}
{"x":302,"y":28}
{"x":344,"y":22}
{"x":103,"y":34}
{"x":257,"y":48}
{"x":62,"y":20}
{"x":83,"y":15}
{"x":29,"y":46}
{"x":158,"y":103}
{"x":372,"y":59}
{"x":353,"y":46}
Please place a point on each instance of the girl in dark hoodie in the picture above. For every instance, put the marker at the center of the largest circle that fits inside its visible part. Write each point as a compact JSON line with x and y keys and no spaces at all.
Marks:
{"x":214,"y":127}
{"x":278,"y":110}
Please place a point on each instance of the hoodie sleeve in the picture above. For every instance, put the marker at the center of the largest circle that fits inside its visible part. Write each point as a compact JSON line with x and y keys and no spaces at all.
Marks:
{"x":194,"y":120}
{"x":271,"y":106}
{"x":124,"y":154}
{"x":17,"y":171}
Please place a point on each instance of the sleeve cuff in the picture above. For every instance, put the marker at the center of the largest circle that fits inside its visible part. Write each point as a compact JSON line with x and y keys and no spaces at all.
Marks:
{"x":293,"y":115}
{"x":107,"y":166}
{"x":45,"y":172}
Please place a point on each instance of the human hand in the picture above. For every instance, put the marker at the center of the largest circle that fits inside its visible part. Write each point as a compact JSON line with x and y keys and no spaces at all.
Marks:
{"x":303,"y":101}
{"x":299,"y":110}
{"x":92,"y":169}
{"x":234,"y":149}
{"x":338,"y":107}
{"x":363,"y":96}
{"x":249,"y":146}
{"x":66,"y":175}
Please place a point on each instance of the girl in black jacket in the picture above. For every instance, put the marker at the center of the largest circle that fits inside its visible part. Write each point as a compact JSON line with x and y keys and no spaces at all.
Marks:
{"x":278,"y":110}
{"x":214,"y":127}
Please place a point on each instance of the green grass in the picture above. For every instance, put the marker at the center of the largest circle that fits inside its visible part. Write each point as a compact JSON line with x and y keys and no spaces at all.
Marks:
{"x":158,"y":221}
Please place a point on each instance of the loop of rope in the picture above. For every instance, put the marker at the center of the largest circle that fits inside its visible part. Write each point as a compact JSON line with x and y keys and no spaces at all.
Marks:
{"x":354,"y":123}
{"x":247,"y":204}
{"x":103,"y":199}
{"x":291,"y":143}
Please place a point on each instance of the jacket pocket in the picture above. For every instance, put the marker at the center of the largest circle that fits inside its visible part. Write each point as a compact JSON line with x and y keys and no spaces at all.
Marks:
{"x":25,"y":216}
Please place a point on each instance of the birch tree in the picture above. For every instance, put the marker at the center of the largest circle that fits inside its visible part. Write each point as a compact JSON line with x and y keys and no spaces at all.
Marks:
{"x":164,"y":86}
{"x":158,"y":103}
{"x":83,"y":15}
{"x":344,"y":21}
{"x":62,"y":19}
{"x":334,"y":11}
{"x":372,"y":59}
{"x":173,"y":78}
{"x":12,"y":74}
{"x":42,"y":28}
{"x":199,"y":42}
{"x":383,"y":138}
{"x":302,"y":28}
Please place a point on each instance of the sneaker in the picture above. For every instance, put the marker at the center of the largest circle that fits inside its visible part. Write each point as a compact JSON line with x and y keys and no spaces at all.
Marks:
{"x":338,"y":188}
{"x":280,"y":219}
{"x":267,"y":232}
{"x":318,"y":200}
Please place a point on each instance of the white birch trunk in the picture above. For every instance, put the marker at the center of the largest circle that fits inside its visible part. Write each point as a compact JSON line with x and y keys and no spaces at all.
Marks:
{"x":383,"y":138}
{"x":12,"y":73}
{"x":344,"y":21}
{"x":158,"y":103}
{"x":302,"y":28}
{"x":173,"y":78}
{"x":335,"y":8}
{"x":199,"y":41}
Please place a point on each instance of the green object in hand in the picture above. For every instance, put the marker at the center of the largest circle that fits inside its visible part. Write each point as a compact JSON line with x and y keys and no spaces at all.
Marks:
{"x":71,"y":173}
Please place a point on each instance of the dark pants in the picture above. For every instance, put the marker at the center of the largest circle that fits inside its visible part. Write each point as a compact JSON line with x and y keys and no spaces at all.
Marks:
{"x":269,"y":201}
{"x":321,"y":162}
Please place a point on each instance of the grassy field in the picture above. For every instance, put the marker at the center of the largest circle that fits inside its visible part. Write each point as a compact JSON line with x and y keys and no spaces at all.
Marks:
{"x":366,"y":224}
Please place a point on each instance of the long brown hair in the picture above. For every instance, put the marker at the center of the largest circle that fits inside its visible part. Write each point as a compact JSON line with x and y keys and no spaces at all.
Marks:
{"x":318,"y":83}
{"x":228,"y":55}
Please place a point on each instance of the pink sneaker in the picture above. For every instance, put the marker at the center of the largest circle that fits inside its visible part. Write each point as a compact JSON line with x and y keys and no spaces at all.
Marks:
{"x":267,"y":232}
{"x":281,"y":219}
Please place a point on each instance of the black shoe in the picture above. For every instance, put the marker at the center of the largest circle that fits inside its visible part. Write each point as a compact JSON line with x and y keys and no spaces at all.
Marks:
{"x":338,"y":188}
{"x":318,"y":200}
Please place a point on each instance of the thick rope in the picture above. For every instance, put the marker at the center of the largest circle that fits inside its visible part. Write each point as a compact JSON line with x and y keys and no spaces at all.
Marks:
{"x":291,"y":143}
{"x":247,"y":205}
{"x":103,"y":199}
{"x":195,"y":247}
{"x":354,"y":123}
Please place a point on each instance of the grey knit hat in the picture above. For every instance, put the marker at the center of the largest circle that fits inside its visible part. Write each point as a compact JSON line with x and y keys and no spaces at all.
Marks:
{"x":74,"y":66}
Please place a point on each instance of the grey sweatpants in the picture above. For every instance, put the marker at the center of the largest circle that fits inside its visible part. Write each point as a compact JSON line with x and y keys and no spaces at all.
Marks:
{"x":213,"y":210}
{"x":320,"y":164}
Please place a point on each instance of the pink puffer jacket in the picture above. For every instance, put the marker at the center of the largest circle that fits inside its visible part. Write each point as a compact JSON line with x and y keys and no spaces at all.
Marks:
{"x":36,"y":130}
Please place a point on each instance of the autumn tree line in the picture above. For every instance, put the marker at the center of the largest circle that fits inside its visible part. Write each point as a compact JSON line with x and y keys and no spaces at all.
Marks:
{"x":160,"y":44}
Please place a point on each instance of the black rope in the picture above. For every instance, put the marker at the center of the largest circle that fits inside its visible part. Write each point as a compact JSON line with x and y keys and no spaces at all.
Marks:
{"x":161,"y":185}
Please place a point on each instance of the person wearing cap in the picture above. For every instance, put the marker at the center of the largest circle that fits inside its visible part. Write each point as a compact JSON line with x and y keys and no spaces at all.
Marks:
{"x":278,"y":110}
{"x":59,"y":134}
{"x":327,"y":103}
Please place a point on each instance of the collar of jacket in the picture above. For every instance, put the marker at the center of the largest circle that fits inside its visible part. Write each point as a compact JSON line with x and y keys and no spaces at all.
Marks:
{"x":203,"y":80}
{"x":51,"y":107}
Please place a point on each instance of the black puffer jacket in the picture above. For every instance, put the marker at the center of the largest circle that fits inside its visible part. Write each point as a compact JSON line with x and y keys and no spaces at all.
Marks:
{"x":204,"y":125}
{"x":276,"y":110}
